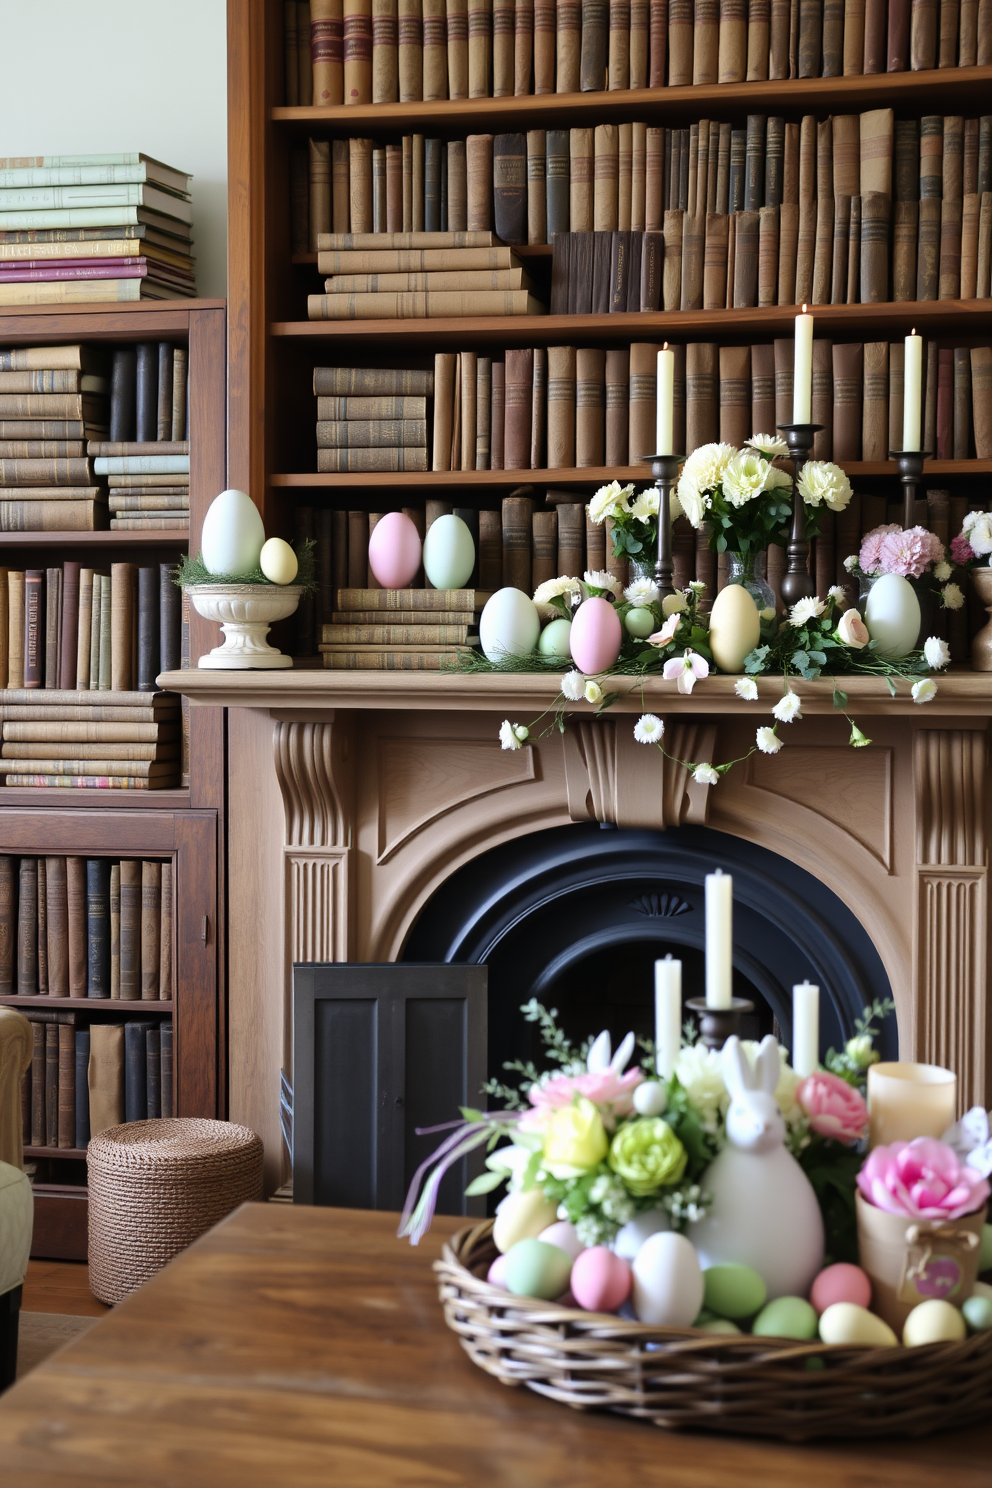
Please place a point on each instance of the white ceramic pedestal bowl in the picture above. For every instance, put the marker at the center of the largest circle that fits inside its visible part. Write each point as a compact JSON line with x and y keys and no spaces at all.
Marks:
{"x":245,"y":613}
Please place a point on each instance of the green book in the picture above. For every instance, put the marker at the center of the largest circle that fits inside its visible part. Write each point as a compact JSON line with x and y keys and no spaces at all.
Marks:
{"x":37,"y":170}
{"x":136,"y":194}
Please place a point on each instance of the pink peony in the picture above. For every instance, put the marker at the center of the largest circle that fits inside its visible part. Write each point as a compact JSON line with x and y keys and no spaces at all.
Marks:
{"x":869,"y":559}
{"x":922,"y":1179}
{"x":834,"y":1108}
{"x":906,"y":553}
{"x":602,"y":1087}
{"x":961,"y":550}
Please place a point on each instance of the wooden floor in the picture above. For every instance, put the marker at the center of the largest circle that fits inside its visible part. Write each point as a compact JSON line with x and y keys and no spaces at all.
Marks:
{"x":60,"y":1286}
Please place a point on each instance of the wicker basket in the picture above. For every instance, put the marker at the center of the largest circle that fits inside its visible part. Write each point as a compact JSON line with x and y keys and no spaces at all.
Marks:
{"x":155,"y":1187}
{"x":684,"y":1377}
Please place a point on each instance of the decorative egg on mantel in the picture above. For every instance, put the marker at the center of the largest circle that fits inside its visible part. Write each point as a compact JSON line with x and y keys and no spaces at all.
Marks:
{"x":233,"y":534}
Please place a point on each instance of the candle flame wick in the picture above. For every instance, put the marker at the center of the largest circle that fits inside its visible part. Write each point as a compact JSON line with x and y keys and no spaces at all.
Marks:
{"x":665,"y":347}
{"x":913,"y":331}
{"x":804,"y":309}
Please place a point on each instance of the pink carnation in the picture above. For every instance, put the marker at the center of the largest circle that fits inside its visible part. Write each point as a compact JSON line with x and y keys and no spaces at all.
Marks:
{"x":922,"y":1179}
{"x":961,"y":550}
{"x":602,"y":1087}
{"x":937,"y":552}
{"x":869,"y":559}
{"x":834,"y":1108}
{"x":906,"y":553}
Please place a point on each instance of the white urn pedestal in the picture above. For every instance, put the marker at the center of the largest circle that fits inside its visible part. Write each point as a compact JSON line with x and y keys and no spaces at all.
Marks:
{"x":245,"y":613}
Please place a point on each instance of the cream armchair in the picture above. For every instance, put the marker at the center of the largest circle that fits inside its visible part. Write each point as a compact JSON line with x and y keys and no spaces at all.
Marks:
{"x":16,"y":1200}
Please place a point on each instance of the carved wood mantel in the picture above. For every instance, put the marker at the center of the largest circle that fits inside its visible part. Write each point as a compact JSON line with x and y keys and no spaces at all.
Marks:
{"x":354,"y":796}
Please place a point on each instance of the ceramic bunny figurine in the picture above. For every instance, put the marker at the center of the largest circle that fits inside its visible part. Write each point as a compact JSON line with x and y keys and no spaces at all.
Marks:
{"x":764,"y":1211}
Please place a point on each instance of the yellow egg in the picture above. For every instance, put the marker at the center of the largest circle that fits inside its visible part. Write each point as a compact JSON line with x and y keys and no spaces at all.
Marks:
{"x":933,"y":1321}
{"x":522,"y":1216}
{"x":846,"y":1322}
{"x":735,"y":628}
{"x":278,"y":562}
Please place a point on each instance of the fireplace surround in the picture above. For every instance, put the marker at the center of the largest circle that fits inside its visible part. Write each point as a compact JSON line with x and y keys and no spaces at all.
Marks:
{"x":360,"y":803}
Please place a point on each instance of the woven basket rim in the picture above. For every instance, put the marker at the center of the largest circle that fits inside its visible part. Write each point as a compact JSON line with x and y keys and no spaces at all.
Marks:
{"x":172,"y":1140}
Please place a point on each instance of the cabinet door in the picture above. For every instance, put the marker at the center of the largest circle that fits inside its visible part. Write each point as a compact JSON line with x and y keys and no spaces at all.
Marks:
{"x":378,"y":1051}
{"x":196,"y":1015}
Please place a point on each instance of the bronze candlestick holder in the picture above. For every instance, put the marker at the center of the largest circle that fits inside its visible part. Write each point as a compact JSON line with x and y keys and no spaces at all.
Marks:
{"x":665,"y":469}
{"x":910,"y":464}
{"x":716,"y":1025}
{"x":797,"y":583}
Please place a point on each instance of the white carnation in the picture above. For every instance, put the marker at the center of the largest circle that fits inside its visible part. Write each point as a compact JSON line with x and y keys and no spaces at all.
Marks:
{"x":648,"y":729}
{"x":692,"y":501}
{"x":977,"y":528}
{"x":851,"y":562}
{"x":644,"y":506}
{"x":769,"y":444}
{"x":598,"y":578}
{"x":705,"y":466}
{"x":698,"y":1071}
{"x":746,"y":688}
{"x":642,"y":592}
{"x":768,"y":741}
{"x":838,"y":594}
{"x":697,"y":586}
{"x":788,"y":708}
{"x":942,"y":572}
{"x":937,"y":653}
{"x":573,"y":686}
{"x":925,"y":691}
{"x":809,"y":608}
{"x":554,"y":588}
{"x":512,"y":735}
{"x":952,"y":596}
{"x":821,"y":481}
{"x":746,"y":475}
{"x":607,"y":499}
{"x":705,"y":774}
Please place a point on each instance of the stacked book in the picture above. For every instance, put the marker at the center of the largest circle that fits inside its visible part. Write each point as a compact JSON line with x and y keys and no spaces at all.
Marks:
{"x":121,"y":741}
{"x":419,"y":274}
{"x":149,"y":483}
{"x":401,"y":630}
{"x":84,"y":1077}
{"x":52,"y":400}
{"x":372,"y":418}
{"x":93,"y":227}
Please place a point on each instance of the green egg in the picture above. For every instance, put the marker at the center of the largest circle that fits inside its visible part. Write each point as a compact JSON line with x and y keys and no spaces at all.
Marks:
{"x":733,"y":1291}
{"x":640,"y":623}
{"x":978,"y":1313}
{"x":985,"y":1250}
{"x":536,"y":1269}
{"x":704,"y":1317}
{"x":554,"y":639}
{"x":786,"y":1317}
{"x":719,"y":1325}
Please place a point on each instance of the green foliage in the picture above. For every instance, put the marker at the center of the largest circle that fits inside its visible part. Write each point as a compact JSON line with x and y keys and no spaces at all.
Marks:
{"x":832,"y":1169}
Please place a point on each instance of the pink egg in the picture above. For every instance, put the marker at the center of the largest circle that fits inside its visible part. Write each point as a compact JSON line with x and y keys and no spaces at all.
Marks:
{"x":840,"y":1283}
{"x":600,"y":1280}
{"x":394,"y":551}
{"x":496,"y":1275}
{"x":596,"y":635}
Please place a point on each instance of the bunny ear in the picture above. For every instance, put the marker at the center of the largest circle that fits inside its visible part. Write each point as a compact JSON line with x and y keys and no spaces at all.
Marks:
{"x":735,"y":1068}
{"x":769,"y":1065}
{"x":620,"y":1059}
{"x":598,"y":1058}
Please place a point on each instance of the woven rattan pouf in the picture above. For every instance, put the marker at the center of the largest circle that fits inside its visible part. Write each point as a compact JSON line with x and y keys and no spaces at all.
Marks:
{"x":155,"y":1187}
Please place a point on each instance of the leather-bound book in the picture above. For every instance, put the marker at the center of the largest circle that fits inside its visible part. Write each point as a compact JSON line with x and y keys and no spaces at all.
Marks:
{"x":906,"y":160}
{"x":164,"y":405}
{"x":652,"y":267}
{"x":638,"y":179}
{"x":483,"y":414}
{"x":642,"y":400}
{"x":51,"y":1084}
{"x":897,"y":37}
{"x":702,"y":406}
{"x":639,"y":52}
{"x":571,"y":559}
{"x":905,"y":233}
{"x":151,"y":928}
{"x":733,"y":41}
{"x":66,"y":1128}
{"x":671,"y":278}
{"x":945,"y":403}
{"x":928,"y":249}
{"x":962,"y":404}
{"x":758,"y":35}
{"x":456,"y":28}
{"x":490,"y":550}
{"x":360,"y":184}
{"x":42,"y":929}
{"x":561,"y":407}
{"x":76,"y":926}
{"x":833,"y":38}
{"x":135,"y":1077}
{"x":715,"y":261}
{"x":590,"y":400}
{"x":968,"y":33}
{"x":848,"y":381}
{"x":539,"y":410}
{"x":754,"y":163}
{"x":778,"y":39}
{"x":762,"y":389}
{"x":106,"y":1076}
{"x":131,"y":930}
{"x":69,"y":632}
{"x":618,"y":45}
{"x":593,"y":51}
{"x":479,"y":174}
{"x":568,"y":42}
{"x":537,"y":204}
{"x":875,"y":405}
{"x":693,"y":254}
{"x":625,"y":177}
{"x":788,"y":251}
{"x":123,"y":584}
{"x":123,"y":381}
{"x":523,"y":45}
{"x":823,"y":398}
{"x":680,"y":44}
{"x":952,"y":158}
{"x":81,"y":1057}
{"x":27,"y":928}
{"x":606,"y":178}
{"x":328,"y":75}
{"x":981,"y":400}
{"x":930,"y":396}
{"x":949,"y":263}
{"x":510,"y":187}
{"x":517,"y":411}
{"x":166,"y":1054}
{"x":705,"y":41}
{"x":57,"y":926}
{"x":497,"y":423}
{"x":810,"y":37}
{"x":146,"y":391}
{"x":165,"y":983}
{"x":658,"y":22}
{"x":504,"y":25}
{"x":518,"y":512}
{"x":303,"y":61}
{"x":444,"y":405}
{"x":432,"y":185}
{"x":735,"y":394}
{"x":98,"y":927}
{"x":842,"y":229}
{"x":169,"y":620}
{"x":544,"y":46}
{"x":618,"y":279}
{"x":969,"y":245}
{"x":153,"y":1073}
{"x":8,"y":926}
{"x":876,"y":34}
{"x":923,"y":35}
{"x":875,"y":208}
{"x":897,"y":361}
{"x":746,"y":225}
{"x":931,"y":156}
{"x":617,"y":406}
{"x":581,"y":180}
{"x":34,"y":630}
{"x":357,"y":29}
{"x":480,"y":47}
{"x":983,"y":287}
{"x":768,"y":255}
{"x":544,"y":553}
{"x":774,"y":166}
{"x":38,"y":1103}
{"x":846,"y":155}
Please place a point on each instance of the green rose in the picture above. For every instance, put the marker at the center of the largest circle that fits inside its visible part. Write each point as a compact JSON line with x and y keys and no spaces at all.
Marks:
{"x":647,"y":1154}
{"x":575,"y":1140}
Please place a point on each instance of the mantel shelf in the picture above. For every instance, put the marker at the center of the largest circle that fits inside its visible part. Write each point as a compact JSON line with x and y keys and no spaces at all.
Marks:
{"x":960,"y":693}
{"x":958,"y":88}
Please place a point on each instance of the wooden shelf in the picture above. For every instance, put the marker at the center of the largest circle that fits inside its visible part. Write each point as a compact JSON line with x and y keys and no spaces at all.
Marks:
{"x":99,"y":799}
{"x":154,"y":537}
{"x":74,"y":1152}
{"x":102,"y":1004}
{"x":958,"y":90}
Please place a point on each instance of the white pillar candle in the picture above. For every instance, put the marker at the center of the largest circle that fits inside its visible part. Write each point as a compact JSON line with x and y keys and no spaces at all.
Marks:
{"x":719,"y":939}
{"x":667,"y":1015}
{"x":802,"y":373}
{"x":664,"y":438}
{"x":805,"y":1028}
{"x":912,"y":397}
{"x":909,"y":1100}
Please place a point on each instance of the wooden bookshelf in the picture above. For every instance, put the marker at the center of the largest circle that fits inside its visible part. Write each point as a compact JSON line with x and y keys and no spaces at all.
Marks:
{"x":183,"y":825}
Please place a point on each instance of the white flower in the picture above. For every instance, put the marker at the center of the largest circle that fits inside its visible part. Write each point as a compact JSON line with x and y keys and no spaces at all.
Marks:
{"x":692,"y":501}
{"x":697,"y":586}
{"x":674,"y":604}
{"x":607,"y":499}
{"x":705,"y":774}
{"x":667,"y":632}
{"x":592,"y":692}
{"x":806,"y":609}
{"x":684,"y":670}
{"x":512,"y":735}
{"x":977,"y":528}
{"x":952,"y":595}
{"x":746,"y":688}
{"x":699,"y":1074}
{"x":641,"y":592}
{"x":942,"y":572}
{"x":705,"y":466}
{"x":788,"y":708}
{"x":645,"y":506}
{"x":598,"y":578}
{"x":924,"y":691}
{"x":838,"y":594}
{"x":851,"y":562}
{"x":746,"y":475}
{"x":648,"y":729}
{"x":768,"y":741}
{"x":573,"y":686}
{"x":937,"y":653}
{"x":555,"y":588}
{"x":823,"y":481}
{"x":768,"y":444}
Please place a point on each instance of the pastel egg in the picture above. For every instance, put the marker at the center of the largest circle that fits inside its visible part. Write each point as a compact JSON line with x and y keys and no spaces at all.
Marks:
{"x":449,"y":553}
{"x":734,"y":1291}
{"x":232,"y":534}
{"x":845,"y":1322}
{"x":563,"y":1234}
{"x":786,"y":1317}
{"x":536,"y":1269}
{"x":631,"y":1236}
{"x":982,"y":1289}
{"x":892,"y":615}
{"x":520,"y":1216}
{"x":555,"y":639}
{"x":718,"y":1325}
{"x":596,"y":635}
{"x":668,"y":1281}
{"x":394,"y":550}
{"x":496,"y":1275}
{"x":640,"y":622}
{"x":650,"y":1098}
{"x":509,"y":625}
{"x":841,"y":1282}
{"x":735,"y":628}
{"x":933,"y":1321}
{"x":601,"y":1281}
{"x":977,"y":1313}
{"x":278,"y":562}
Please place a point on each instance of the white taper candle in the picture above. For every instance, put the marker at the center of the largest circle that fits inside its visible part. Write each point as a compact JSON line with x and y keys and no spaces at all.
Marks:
{"x":667,"y":1015}
{"x":805,"y":1028}
{"x":719,"y":939}
{"x":802,"y":372}
{"x":912,"y":397}
{"x":663,"y":444}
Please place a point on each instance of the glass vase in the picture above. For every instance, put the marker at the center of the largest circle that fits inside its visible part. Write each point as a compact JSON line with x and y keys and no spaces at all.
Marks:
{"x":749,"y":569}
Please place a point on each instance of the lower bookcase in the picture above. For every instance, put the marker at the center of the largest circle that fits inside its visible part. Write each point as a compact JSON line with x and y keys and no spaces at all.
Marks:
{"x":108,"y":945}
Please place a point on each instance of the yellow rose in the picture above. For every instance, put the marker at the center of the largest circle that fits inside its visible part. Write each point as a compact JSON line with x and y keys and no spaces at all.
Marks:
{"x":575,"y":1140}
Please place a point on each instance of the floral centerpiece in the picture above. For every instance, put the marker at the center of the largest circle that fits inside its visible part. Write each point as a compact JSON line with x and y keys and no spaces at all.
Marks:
{"x":634,"y":533}
{"x":912,"y":553}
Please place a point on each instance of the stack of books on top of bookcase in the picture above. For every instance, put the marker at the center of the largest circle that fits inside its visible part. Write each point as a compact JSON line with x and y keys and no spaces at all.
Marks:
{"x":93,"y":227}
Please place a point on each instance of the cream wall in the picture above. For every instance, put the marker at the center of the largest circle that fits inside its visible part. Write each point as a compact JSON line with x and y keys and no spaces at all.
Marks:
{"x":98,"y":76}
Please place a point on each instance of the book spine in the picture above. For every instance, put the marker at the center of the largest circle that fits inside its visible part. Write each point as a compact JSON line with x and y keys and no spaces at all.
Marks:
{"x":57,"y":925}
{"x":617,"y":391}
{"x":517,"y":414}
{"x":875,"y":211}
{"x":537,"y":200}
{"x":680,"y":44}
{"x":509,"y":187}
{"x":504,"y":23}
{"x":164,"y":403}
{"x":67,"y":1085}
{"x":8,"y":927}
{"x":153,"y":1072}
{"x":593,"y":47}
{"x":151,"y":927}
{"x":410,"y":51}
{"x":705,"y":41}
{"x":523,"y":46}
{"x":42,"y":928}
{"x":115,"y":931}
{"x":76,"y":926}
{"x":517,"y":515}
{"x":135,"y":1080}
{"x":98,"y":927}
{"x":357,"y":35}
{"x":497,"y":455}
{"x":165,"y":974}
{"x":327,"y":50}
{"x":923,"y":35}
{"x":480,"y":47}
{"x":130,"y":957}
{"x":702,"y":406}
{"x":733,"y":41}
{"x":590,"y":398}
{"x":146,"y":391}
{"x":38,"y":1104}
{"x":34,"y":581}
{"x":51,"y":1084}
{"x":81,"y":1053}
{"x":618,"y":45}
{"x":435,"y":50}
{"x":875,"y":407}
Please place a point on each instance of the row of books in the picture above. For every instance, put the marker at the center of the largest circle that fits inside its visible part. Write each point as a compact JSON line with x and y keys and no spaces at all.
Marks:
{"x":84,"y":1078}
{"x":78,"y":927}
{"x":384,"y":630}
{"x":69,"y":228}
{"x":457,"y":289}
{"x":388,"y":51}
{"x":109,"y":740}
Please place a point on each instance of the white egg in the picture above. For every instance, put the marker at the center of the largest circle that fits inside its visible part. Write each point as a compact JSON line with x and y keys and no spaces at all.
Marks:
{"x":509,"y":625}
{"x":668,"y":1281}
{"x":449,"y":553}
{"x":892,"y":615}
{"x":232,"y":535}
{"x":278,"y":562}
{"x":631,"y":1236}
{"x":650,"y":1098}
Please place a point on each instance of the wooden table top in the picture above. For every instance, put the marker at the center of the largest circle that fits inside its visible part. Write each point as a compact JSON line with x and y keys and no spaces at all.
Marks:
{"x":297,"y":1346}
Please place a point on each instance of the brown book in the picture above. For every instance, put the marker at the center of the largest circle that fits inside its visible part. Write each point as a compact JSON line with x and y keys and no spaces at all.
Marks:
{"x":875,"y":405}
{"x":904,"y":243}
{"x":537,"y":196}
{"x":57,"y":925}
{"x":962,"y":404}
{"x":846,"y":174}
{"x":544,"y":46}
{"x":981,"y":400}
{"x":648,"y":28}
{"x":504,"y":24}
{"x":928,"y":249}
{"x":702,"y":405}
{"x":784,"y":351}
{"x":130,"y":959}
{"x":571,"y":539}
{"x":654,"y":180}
{"x":165,"y":987}
{"x":27,"y":923}
{"x":320,"y":190}
{"x":76,"y":933}
{"x":952,"y":159}
{"x":490,"y":550}
{"x":895,"y":37}
{"x":444,"y":403}
{"x":523,"y":46}
{"x":568,"y":41}
{"x":823,"y":255}
{"x":968,"y":33}
{"x":468,"y":380}
{"x":643,"y":400}
{"x":42,"y":928}
{"x":618,"y":48}
{"x":984,"y":272}
{"x":593,"y":47}
{"x":758,"y":39}
{"x":671,"y":277}
{"x":151,"y":929}
{"x":106,"y":1076}
{"x":561,"y":407}
{"x":479,"y":180}
{"x":498,"y":417}
{"x":778,"y":39}
{"x":763,"y":389}
{"x":931,"y":155}
{"x":923,"y":35}
{"x":945,"y":403}
{"x":823,"y":398}
{"x":897,"y":360}
{"x":930,"y":386}
{"x":848,"y":381}
{"x":788,"y":250}
{"x":385,"y":57}
{"x":842,"y":234}
{"x":51,"y":1084}
{"x":115,"y":931}
{"x":705,"y":41}
{"x":606,"y":178}
{"x":680,"y":44}
{"x":969,"y":245}
{"x":746,"y":225}
{"x":768,"y":255}
{"x":732,"y":49}
{"x":949,"y":264}
{"x":833,"y":38}
{"x":38,"y":1104}
{"x":517,"y":525}
{"x":693,"y":254}
{"x":518,"y":409}
{"x":810,"y":37}
{"x":580,"y":148}
{"x":715,"y":261}
{"x":123,"y":582}
{"x":435,"y":50}
{"x":874,"y":224}
{"x":853,"y":54}
{"x":457,"y":40}
{"x":67,"y":1085}
{"x":590,"y":397}
{"x":8,"y":926}
{"x":735,"y":394}
{"x":617,"y":405}
{"x":509,"y":187}
{"x":544,"y":557}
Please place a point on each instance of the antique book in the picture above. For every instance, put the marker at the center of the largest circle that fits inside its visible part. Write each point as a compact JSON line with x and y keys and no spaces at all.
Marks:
{"x":745,"y":282}
{"x":151,"y":928}
{"x":810,"y":37}
{"x":923,"y":35}
{"x":853,"y":52}
{"x":732,"y":47}
{"x":51,"y":1084}
{"x":618,"y":45}
{"x":876,"y":34}
{"x":517,"y":515}
{"x":106,"y":1076}
{"x":504,"y":23}
{"x":693,"y":255}
{"x":762,"y":389}
{"x":590,"y":398}
{"x":848,"y":376}
{"x":115,"y":931}
{"x":410,"y":50}
{"x":823,"y":398}
{"x":57,"y":926}
{"x":468,"y":378}
{"x":539,"y":409}
{"x":705,"y":42}
{"x":371,"y":433}
{"x":606,"y":178}
{"x":778,"y":39}
{"x":369,"y":382}
{"x":480,"y":47}
{"x":357,"y":461}
{"x":509,"y":188}
{"x":641,"y":32}
{"x":875,"y":207}
{"x":962,"y":408}
{"x":135,"y":1072}
{"x":97,"y":926}
{"x":949,"y":257}
{"x":523,"y":46}
{"x":617,"y":390}
{"x":904,"y":244}
{"x":970,"y":218}
{"x":842,"y":233}
{"x":701,"y":396}
{"x":735,"y":394}
{"x":536,"y":191}
{"x":833,"y":38}
{"x":517,"y":413}
{"x":130,"y":930}
{"x":928,"y":248}
{"x":444,"y":404}
{"x":758,"y":40}
{"x":357,"y":598}
{"x":715,"y":261}
{"x":875,"y":402}
{"x":568,"y":42}
{"x":66,"y":1123}
{"x":497,"y":418}
{"x":981,"y":389}
{"x":593,"y":46}
{"x":680,"y":44}
{"x":783,"y":350}
{"x":788,"y":249}
{"x":435,"y":50}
